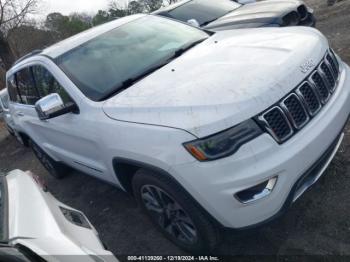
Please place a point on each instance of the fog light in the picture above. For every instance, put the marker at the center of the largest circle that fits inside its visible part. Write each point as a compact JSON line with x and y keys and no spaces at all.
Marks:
{"x":256,"y":192}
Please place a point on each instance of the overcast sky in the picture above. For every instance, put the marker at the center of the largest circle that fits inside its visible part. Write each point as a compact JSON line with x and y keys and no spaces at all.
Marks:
{"x":69,"y":6}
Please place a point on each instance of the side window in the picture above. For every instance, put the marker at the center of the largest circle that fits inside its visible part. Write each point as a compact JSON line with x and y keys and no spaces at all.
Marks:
{"x":26,"y":88}
{"x":12,"y":89}
{"x":47,"y":84}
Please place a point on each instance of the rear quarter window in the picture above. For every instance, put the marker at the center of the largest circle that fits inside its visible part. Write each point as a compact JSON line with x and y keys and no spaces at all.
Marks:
{"x":26,"y":88}
{"x":12,"y":89}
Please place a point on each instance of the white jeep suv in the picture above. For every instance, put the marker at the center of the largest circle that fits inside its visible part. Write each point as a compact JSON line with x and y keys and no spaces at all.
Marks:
{"x":206,"y":130}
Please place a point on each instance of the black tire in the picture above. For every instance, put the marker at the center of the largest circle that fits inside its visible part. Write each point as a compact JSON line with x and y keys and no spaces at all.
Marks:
{"x":55,"y":169}
{"x":207,"y":236}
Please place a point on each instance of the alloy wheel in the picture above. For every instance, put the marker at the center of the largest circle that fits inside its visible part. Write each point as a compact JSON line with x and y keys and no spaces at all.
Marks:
{"x":169,"y":214}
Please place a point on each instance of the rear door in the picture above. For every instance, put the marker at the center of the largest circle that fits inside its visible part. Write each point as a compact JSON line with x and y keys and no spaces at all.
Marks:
{"x":15,"y":100}
{"x":24,"y":113}
{"x":6,"y":111}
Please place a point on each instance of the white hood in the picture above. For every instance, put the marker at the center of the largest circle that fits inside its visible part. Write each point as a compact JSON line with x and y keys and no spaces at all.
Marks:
{"x":232,"y":76}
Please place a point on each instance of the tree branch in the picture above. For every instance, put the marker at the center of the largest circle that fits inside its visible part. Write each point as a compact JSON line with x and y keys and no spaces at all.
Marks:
{"x":14,"y":12}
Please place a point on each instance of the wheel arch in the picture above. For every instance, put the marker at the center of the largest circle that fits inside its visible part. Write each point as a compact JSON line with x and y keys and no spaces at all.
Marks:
{"x":25,"y":138}
{"x":125,"y":169}
{"x":125,"y":179}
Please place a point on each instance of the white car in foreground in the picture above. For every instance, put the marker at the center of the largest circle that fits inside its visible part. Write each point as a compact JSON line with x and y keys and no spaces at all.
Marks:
{"x":37,"y":226}
{"x":207,"y":130}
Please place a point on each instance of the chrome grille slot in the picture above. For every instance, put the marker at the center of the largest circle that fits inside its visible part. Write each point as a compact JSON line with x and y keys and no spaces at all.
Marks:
{"x":309,"y":95}
{"x":335,"y":60}
{"x":330,"y":58}
{"x":320,"y":86}
{"x":277,"y":124}
{"x":296,"y":109}
{"x":329,"y":76}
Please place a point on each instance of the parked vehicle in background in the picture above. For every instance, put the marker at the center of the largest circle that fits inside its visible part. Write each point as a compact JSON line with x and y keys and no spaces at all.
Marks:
{"x":34,"y":226}
{"x":5,"y":112}
{"x":206,"y":130}
{"x":226,"y":14}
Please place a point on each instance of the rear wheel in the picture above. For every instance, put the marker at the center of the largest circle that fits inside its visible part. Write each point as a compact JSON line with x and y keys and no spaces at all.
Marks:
{"x":55,"y":169}
{"x":175,"y":213}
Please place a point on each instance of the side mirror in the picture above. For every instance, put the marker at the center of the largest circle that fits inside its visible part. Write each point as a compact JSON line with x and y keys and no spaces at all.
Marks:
{"x":52,"y":106}
{"x":193,"y":22}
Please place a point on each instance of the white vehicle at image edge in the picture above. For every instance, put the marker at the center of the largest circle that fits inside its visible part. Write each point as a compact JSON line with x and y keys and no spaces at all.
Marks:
{"x":37,"y":227}
{"x":206,"y":130}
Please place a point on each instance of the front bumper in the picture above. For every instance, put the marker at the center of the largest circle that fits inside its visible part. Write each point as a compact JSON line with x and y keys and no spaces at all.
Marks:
{"x":310,"y":177}
{"x":214,"y":184}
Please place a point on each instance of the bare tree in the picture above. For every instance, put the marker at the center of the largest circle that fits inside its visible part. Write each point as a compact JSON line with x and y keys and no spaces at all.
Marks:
{"x":129,"y":7}
{"x":170,"y":2}
{"x":13,"y":13}
{"x":116,"y":5}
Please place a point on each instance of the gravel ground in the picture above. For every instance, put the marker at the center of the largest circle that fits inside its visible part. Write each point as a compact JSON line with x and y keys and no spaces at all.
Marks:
{"x":317,"y":224}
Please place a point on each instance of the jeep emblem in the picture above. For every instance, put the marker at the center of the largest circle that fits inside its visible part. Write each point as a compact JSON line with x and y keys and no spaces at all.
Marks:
{"x":307,"y":66}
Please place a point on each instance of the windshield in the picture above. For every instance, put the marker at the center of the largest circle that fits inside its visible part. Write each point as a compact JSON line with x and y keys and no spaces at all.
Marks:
{"x":103,"y":65}
{"x":204,"y":11}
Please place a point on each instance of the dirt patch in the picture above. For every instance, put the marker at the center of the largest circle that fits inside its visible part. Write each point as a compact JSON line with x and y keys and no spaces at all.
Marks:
{"x":334,"y":22}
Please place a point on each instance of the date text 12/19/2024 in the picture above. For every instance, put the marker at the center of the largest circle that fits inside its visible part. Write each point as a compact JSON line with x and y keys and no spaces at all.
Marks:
{"x":173,"y":258}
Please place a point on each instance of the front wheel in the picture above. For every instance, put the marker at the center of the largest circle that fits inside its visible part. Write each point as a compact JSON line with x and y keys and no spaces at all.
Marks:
{"x":55,"y":169}
{"x":175,"y":213}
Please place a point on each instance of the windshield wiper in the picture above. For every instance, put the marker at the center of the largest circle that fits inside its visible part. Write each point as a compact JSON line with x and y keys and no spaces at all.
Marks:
{"x":210,"y":21}
{"x":185,"y":48}
{"x":130,"y":81}
{"x":213,"y":20}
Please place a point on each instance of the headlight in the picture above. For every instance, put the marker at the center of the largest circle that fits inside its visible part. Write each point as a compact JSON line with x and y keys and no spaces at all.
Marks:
{"x":291,"y":19}
{"x":224,"y":143}
{"x":303,"y":13}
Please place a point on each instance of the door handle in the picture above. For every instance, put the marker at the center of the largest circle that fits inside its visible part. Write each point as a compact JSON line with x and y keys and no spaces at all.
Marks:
{"x":19,"y":114}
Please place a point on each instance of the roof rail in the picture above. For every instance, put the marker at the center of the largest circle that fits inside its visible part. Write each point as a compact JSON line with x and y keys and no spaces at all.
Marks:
{"x":34,"y":52}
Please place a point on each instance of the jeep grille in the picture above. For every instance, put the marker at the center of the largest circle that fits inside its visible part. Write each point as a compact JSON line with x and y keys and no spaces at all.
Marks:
{"x":296,"y":110}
